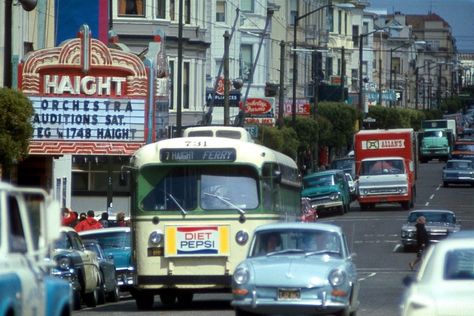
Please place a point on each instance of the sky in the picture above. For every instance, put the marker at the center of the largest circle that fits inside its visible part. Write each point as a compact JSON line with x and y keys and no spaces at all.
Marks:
{"x":458,"y":13}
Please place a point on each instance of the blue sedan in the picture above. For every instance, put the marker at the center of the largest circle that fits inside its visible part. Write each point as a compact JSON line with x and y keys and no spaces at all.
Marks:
{"x":296,"y":268}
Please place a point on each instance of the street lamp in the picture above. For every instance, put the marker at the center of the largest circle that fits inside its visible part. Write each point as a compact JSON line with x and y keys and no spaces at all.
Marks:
{"x":295,"y":72}
{"x":361,"y":49}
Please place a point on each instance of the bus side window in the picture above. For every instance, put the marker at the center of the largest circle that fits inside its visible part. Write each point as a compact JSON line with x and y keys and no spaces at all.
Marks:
{"x":17,"y":242}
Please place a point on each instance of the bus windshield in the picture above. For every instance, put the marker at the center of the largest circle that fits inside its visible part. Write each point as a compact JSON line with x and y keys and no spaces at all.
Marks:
{"x":210,"y":187}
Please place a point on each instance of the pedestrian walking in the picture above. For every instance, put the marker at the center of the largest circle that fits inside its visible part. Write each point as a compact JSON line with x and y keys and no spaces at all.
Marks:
{"x":89,"y":223}
{"x":422,"y":241}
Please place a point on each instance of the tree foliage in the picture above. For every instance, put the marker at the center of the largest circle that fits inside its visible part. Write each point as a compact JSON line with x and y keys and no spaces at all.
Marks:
{"x":16,"y":128}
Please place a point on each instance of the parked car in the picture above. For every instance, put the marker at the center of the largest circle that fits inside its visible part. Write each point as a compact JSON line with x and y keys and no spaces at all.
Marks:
{"x":294,"y":268}
{"x":346,"y":164}
{"x":352,"y":186}
{"x":116,"y":242}
{"x":328,"y":191}
{"x":458,"y":171}
{"x":439,"y":225}
{"x":443,"y":285}
{"x":110,"y":290}
{"x":79,"y":266}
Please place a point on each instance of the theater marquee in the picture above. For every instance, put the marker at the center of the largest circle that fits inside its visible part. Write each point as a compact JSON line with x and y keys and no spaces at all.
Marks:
{"x":88,"y":98}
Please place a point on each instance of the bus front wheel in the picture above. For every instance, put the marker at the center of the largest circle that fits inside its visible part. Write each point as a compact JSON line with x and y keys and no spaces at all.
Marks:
{"x":168,"y":298}
{"x":144,"y":301}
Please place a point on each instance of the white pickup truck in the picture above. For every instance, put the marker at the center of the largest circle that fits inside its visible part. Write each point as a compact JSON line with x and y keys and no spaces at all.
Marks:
{"x":29,"y":225}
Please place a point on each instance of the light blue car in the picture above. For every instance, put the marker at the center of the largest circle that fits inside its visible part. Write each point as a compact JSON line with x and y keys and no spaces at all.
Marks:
{"x":295,"y":268}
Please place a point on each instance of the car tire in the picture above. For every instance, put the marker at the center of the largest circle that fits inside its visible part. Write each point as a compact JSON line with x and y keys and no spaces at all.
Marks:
{"x":445,"y":184}
{"x":344,"y":312}
{"x":185,"y":298}
{"x":144,"y":301}
{"x":91,"y":298}
{"x":168,"y":298}
{"x":101,"y":294}
{"x":76,"y":300}
{"x":406,"y":205}
{"x":240,"y":312}
{"x":114,"y":296}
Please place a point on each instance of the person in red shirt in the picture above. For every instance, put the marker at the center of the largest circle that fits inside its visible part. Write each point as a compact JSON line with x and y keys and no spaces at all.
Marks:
{"x":89,"y":223}
{"x":69,"y":217}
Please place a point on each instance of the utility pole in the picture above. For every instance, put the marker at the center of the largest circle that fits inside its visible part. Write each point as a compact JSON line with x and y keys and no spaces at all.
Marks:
{"x":7,"y":55}
{"x":281,"y":95}
{"x":343,"y":73}
{"x":180,"y":70}
{"x":316,"y":71}
{"x":438,"y":91}
{"x":380,"y":81}
{"x":226,"y":77}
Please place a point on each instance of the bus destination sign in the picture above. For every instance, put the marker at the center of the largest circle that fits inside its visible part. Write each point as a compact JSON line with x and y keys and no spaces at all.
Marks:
{"x":197,"y":154}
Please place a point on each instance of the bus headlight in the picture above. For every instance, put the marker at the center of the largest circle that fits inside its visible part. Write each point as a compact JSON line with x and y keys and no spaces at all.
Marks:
{"x":241,"y":276}
{"x":241,"y":237}
{"x":155,"y":238}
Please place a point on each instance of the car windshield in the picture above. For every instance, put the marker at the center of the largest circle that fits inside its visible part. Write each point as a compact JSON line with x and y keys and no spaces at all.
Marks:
{"x":63,"y":242}
{"x":459,"y":264}
{"x":319,"y":181}
{"x":173,"y":188}
{"x":434,"y":134}
{"x":284,"y":242}
{"x":378,"y":167}
{"x":342,"y":164}
{"x":458,"y":165}
{"x":437,"y":217}
{"x":111,"y":240}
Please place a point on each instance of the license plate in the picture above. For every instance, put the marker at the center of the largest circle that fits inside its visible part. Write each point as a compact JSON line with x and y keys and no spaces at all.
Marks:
{"x":289,"y":294}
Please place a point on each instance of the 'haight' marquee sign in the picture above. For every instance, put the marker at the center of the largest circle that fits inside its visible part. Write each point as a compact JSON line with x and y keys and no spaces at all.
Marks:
{"x":88,"y":98}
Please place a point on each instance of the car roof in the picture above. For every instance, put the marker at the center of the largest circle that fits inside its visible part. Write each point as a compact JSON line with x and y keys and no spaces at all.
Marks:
{"x":459,"y":160}
{"x":107,"y":230}
{"x":323,"y":173}
{"x":67,"y":229}
{"x":298,"y":225}
{"x":431,"y":211}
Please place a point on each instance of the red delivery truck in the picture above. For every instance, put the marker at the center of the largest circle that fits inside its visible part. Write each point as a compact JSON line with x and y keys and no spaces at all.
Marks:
{"x":385,"y":162}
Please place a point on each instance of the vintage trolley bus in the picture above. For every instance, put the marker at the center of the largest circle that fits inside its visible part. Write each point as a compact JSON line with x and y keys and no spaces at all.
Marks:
{"x":195,"y":203}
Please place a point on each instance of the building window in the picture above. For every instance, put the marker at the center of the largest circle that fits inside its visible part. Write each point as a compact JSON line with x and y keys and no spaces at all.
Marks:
{"x":331,"y":19}
{"x":172,"y":10}
{"x":396,"y":65}
{"x":247,"y":6}
{"x":220,"y":11}
{"x":339,"y":22}
{"x":246,"y":61}
{"x":132,"y":7}
{"x":329,"y":68}
{"x":355,"y":35}
{"x":187,"y":12}
{"x":186,"y":84}
{"x":293,"y":11}
{"x":365,"y":30}
{"x":90,"y":174}
{"x":345,"y":23}
{"x":161,"y":9}
{"x":365,"y":68}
